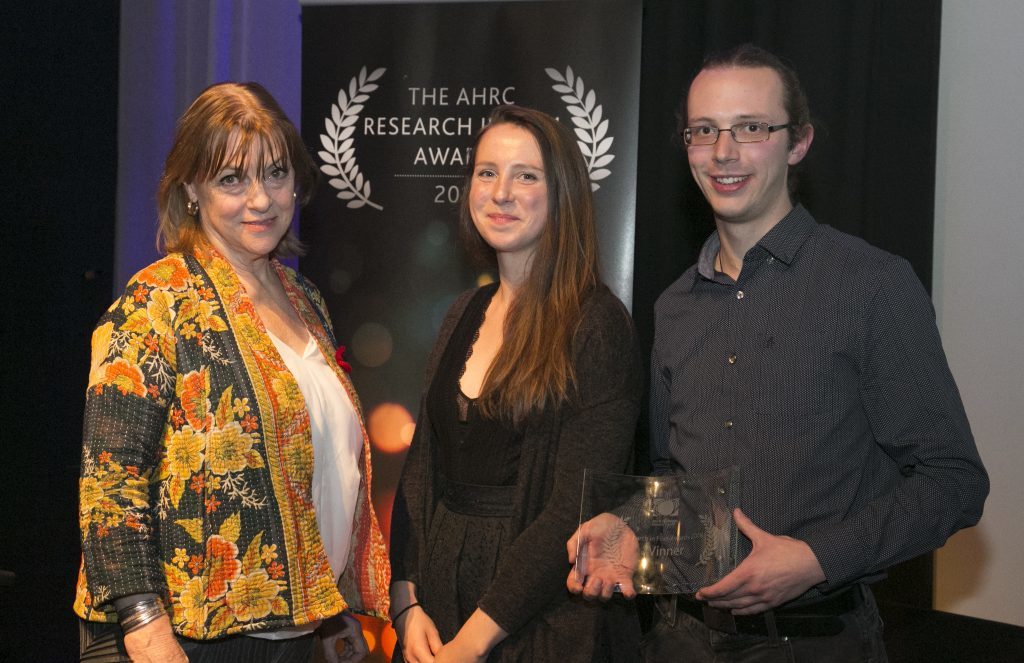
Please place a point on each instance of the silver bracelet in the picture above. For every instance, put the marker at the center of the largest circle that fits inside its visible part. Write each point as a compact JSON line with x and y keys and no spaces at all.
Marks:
{"x":142,"y":617}
{"x":139,"y":614}
{"x":126,"y":611}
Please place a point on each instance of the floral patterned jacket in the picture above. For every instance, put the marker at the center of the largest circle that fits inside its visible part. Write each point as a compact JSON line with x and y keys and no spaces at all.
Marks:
{"x":197,"y":462}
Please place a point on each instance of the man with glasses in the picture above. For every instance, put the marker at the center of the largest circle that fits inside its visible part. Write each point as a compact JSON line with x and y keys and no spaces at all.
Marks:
{"x":809,"y":361}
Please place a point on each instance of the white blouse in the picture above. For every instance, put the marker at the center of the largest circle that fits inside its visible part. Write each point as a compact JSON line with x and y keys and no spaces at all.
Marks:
{"x":337,"y":445}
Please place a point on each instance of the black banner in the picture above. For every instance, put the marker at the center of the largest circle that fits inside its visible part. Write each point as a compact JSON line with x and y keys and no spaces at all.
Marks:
{"x":392,"y":96}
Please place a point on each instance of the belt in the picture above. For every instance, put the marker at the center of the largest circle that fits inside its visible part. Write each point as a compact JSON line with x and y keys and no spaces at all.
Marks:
{"x":813,"y":619}
{"x":474,"y":500}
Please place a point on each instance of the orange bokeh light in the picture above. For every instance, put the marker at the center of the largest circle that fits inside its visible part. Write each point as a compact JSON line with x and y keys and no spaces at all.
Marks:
{"x":388,"y":640}
{"x":390,"y":427}
{"x":380,"y":639}
{"x":371,"y":639}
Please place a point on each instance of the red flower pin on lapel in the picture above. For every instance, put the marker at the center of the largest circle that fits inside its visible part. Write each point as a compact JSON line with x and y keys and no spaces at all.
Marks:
{"x":339,"y":356}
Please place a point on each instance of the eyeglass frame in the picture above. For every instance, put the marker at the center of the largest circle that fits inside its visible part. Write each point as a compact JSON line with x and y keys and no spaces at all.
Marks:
{"x":772,"y":128}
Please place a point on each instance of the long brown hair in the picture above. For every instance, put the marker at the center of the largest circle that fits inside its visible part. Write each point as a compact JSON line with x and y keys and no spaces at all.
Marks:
{"x":533,"y":368}
{"x":203,"y":146}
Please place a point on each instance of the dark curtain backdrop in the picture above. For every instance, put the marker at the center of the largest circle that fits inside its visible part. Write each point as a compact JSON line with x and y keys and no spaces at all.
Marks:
{"x":870,"y":69}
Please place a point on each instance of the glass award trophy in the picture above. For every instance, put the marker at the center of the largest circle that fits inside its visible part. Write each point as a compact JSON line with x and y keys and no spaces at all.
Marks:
{"x":672,"y":534}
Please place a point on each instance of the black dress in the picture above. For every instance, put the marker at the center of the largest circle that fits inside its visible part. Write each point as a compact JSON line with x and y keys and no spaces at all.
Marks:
{"x":483,"y":511}
{"x":477,"y":459}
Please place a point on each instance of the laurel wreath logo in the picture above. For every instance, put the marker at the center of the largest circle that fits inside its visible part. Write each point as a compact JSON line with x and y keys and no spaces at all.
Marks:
{"x":591,"y":129}
{"x":339,"y":153}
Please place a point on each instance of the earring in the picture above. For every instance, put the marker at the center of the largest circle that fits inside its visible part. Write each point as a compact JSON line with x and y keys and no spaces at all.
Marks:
{"x":192,"y":207}
{"x":295,"y":195}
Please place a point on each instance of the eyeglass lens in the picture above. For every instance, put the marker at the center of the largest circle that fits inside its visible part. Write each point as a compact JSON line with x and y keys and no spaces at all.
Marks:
{"x":744,"y":132}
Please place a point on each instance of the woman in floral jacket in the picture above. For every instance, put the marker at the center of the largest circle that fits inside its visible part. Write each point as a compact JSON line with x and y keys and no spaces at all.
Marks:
{"x":225,"y":465}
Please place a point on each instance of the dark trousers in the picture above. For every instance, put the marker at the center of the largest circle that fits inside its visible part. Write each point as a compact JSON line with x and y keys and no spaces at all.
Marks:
{"x":104,"y":643}
{"x":677,"y":636}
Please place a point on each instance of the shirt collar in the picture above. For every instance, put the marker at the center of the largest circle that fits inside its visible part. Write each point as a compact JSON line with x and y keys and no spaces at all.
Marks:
{"x":782,"y":242}
{"x":785,"y":239}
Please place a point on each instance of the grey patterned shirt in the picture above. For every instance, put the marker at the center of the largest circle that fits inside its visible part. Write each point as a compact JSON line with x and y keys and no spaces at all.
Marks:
{"x":821,"y":376}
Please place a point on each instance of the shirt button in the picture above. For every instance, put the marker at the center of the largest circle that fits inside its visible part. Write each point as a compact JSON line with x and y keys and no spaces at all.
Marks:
{"x":771,"y":259}
{"x":732,"y":359}
{"x":728,"y":423}
{"x":739,"y":294}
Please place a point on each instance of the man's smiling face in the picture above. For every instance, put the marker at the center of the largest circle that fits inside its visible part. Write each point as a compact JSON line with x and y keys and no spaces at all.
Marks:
{"x":745,"y":183}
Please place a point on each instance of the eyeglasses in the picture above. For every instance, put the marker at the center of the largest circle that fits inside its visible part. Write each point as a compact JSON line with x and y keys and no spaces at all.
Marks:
{"x":744,"y":132}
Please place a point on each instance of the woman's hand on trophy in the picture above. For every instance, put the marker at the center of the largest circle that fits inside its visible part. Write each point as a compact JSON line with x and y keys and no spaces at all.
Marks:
{"x":604,"y":552}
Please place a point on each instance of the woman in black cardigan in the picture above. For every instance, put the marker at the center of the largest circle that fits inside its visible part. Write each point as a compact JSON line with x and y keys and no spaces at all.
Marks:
{"x":532,"y":379}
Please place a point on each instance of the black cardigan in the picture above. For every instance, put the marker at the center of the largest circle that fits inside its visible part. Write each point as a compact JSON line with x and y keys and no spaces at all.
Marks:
{"x":595,"y":430}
